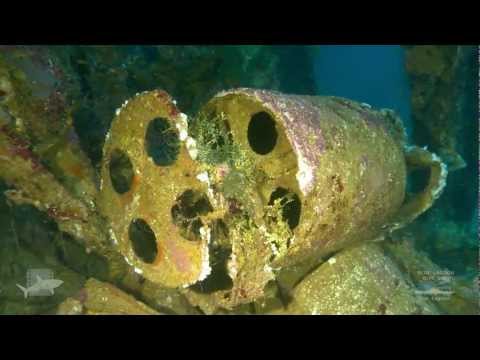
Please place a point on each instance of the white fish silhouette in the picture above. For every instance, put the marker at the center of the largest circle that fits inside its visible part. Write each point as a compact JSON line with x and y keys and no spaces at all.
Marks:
{"x":47,"y":284}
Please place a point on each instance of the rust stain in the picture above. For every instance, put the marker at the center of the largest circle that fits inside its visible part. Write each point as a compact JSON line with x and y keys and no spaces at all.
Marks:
{"x":76,"y":170}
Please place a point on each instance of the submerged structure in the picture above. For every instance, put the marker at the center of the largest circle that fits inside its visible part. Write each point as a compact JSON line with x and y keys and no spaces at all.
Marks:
{"x":258,"y":202}
{"x":257,"y":183}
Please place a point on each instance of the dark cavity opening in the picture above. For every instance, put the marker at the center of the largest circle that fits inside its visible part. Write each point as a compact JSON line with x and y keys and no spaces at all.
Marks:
{"x":262,"y":133}
{"x":186,"y":212}
{"x":121,"y":171}
{"x":161,"y":142}
{"x":218,"y":278}
{"x":291,"y":206}
{"x":144,"y":242}
{"x":418,"y":179}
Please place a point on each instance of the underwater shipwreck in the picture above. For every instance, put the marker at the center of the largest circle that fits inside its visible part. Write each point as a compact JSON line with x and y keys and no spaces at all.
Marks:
{"x":210,"y":180}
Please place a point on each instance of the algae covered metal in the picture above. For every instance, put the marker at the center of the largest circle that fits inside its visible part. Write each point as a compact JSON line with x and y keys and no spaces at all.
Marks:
{"x":359,"y":280}
{"x":257,"y":182}
{"x":147,"y":169}
{"x":97,"y":298}
{"x":257,"y":202}
{"x":345,"y":164}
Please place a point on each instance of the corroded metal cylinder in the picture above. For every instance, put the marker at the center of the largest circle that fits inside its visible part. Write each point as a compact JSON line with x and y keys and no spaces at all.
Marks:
{"x":360,"y":280}
{"x":150,"y":194}
{"x":345,"y":163}
{"x":256,"y":182}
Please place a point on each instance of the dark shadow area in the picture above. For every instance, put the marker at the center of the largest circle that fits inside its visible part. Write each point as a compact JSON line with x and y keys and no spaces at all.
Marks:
{"x":161,"y":142}
{"x":144,"y":242}
{"x":262,"y":133}
{"x":121,"y":171}
{"x":291,"y":206}
{"x":185,"y":213}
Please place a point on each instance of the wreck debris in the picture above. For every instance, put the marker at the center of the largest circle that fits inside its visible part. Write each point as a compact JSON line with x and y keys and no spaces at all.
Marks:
{"x":358,"y":280}
{"x":436,"y":74}
{"x":462,"y":295}
{"x":97,"y":298}
{"x":332,"y":174}
{"x":344,"y":162}
{"x":230,"y":210}
{"x":159,"y":210}
{"x":33,"y":99}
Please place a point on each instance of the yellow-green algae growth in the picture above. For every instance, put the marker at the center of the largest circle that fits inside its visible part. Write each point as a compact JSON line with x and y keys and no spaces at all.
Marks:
{"x":238,"y":225}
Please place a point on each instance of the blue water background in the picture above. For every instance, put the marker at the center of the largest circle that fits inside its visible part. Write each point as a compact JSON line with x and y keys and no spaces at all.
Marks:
{"x":374,"y":74}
